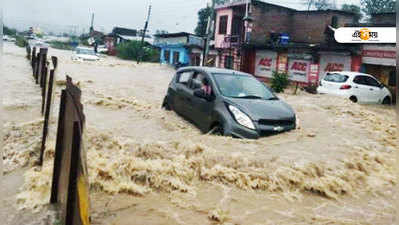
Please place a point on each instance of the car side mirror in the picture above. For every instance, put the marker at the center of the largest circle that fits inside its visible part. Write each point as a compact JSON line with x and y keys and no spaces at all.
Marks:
{"x":381,"y":85}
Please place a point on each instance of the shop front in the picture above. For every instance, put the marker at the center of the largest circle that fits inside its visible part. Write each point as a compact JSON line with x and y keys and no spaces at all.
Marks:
{"x":380,"y":61}
{"x":334,"y":61}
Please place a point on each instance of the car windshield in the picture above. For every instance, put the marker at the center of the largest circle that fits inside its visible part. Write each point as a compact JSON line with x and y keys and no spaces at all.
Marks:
{"x":238,"y":86}
{"x":82,"y":51}
{"x":336,"y":77}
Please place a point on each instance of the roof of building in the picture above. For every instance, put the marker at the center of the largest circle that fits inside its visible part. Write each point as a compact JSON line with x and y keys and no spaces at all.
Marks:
{"x":124,"y":31}
{"x":238,"y":3}
{"x":382,"y":13}
{"x":179,"y":34}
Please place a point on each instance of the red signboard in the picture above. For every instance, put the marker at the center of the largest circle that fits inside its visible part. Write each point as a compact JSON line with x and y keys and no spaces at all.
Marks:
{"x":334,"y":67}
{"x":299,"y":66}
{"x":266,"y":62}
{"x":379,"y":54}
{"x":314,"y":73}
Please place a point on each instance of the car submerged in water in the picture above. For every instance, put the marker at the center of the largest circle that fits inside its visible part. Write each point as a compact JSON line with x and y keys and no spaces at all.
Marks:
{"x":85,"y":54}
{"x":227,"y":102}
{"x":358,"y":87}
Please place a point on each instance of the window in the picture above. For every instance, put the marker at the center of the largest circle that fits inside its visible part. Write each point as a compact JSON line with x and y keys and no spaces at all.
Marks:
{"x":223,"y":24}
{"x":237,"y":26}
{"x":184,"y":77}
{"x":238,"y":86}
{"x":167,"y":56}
{"x":196,"y":82}
{"x":228,"y":62}
{"x":360,"y":80}
{"x":365,"y":80}
{"x":392,"y":78}
{"x":336,"y":77}
{"x":372,"y":82}
{"x":176,"y":56}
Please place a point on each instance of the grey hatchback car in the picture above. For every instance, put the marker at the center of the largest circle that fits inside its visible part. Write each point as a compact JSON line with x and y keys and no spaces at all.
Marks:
{"x":227,"y":102}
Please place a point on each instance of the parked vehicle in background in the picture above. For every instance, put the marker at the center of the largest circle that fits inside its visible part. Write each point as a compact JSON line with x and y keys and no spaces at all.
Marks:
{"x":102,"y":49}
{"x":358,"y":87}
{"x":8,"y":38}
{"x":228,"y":102}
{"x":85,"y":54}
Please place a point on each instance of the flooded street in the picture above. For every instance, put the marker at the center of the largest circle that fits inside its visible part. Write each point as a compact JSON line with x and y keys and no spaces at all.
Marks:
{"x":150,"y":166}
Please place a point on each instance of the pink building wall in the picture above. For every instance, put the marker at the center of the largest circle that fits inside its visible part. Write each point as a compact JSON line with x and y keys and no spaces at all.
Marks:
{"x":219,"y":38}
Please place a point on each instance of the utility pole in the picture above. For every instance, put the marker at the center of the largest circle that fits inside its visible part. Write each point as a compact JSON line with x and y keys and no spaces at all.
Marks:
{"x":209,"y":32}
{"x":92,"y":23}
{"x":143,"y":35}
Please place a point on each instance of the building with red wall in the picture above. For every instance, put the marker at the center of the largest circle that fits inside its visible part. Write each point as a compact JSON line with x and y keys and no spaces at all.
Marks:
{"x":258,"y":46}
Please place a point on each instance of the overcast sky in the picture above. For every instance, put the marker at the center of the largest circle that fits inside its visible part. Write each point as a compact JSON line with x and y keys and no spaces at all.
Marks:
{"x":74,"y":15}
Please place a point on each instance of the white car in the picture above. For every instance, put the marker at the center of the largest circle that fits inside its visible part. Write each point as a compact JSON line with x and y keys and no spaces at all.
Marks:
{"x":85,"y":54}
{"x":8,"y":38}
{"x":102,"y":49}
{"x":358,"y":87}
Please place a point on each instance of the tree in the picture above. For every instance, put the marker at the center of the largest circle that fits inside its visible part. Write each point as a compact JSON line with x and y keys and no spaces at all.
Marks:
{"x":354,"y":9}
{"x":203,"y":15}
{"x":9,"y":31}
{"x":318,"y":4}
{"x":378,"y":6}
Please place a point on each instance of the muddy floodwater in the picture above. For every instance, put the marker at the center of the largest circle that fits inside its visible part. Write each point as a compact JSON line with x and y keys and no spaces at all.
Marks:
{"x":150,"y":166}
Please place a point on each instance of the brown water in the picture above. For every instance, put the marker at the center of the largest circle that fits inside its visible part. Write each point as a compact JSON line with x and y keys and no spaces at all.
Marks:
{"x":149,"y":166}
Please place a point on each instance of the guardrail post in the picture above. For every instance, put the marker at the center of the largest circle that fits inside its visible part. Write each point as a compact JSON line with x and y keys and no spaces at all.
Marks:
{"x":58,"y":149}
{"x":47,"y":115}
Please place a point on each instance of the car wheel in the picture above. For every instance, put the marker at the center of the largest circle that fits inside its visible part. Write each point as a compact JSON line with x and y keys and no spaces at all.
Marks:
{"x":217,"y":130}
{"x":386,"y":101}
{"x":353,"y":99}
{"x":166,"y":105}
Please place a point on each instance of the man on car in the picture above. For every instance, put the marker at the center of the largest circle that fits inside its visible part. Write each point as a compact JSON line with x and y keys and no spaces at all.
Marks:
{"x":206,"y":87}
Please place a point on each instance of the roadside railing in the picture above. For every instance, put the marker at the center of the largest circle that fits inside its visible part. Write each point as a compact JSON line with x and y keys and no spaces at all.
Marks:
{"x":70,"y":184}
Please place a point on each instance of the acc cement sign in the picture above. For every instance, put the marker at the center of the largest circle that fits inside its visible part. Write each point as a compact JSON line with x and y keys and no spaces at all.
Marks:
{"x":265,"y":63}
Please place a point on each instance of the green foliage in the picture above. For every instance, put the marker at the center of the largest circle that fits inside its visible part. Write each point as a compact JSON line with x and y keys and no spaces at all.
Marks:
{"x":279,"y":82}
{"x":131,"y":50}
{"x":20,"y":41}
{"x":61,"y":45}
{"x":354,"y":9}
{"x":9,"y":31}
{"x":203,"y":16}
{"x":378,"y":6}
{"x":318,"y":4}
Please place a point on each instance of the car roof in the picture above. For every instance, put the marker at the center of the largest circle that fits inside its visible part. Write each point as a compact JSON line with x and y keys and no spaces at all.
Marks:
{"x":350,"y":73}
{"x":86,"y":48}
{"x":211,"y":70}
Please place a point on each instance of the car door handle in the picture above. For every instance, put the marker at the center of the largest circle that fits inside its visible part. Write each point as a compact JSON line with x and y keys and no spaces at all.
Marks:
{"x":356,"y":87}
{"x":371,"y":89}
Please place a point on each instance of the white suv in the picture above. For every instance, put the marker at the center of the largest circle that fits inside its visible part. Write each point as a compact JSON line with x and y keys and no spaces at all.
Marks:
{"x":358,"y":87}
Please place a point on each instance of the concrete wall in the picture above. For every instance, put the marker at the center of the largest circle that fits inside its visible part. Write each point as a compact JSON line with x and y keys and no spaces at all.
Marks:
{"x":310,"y":27}
{"x":269,"y":19}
